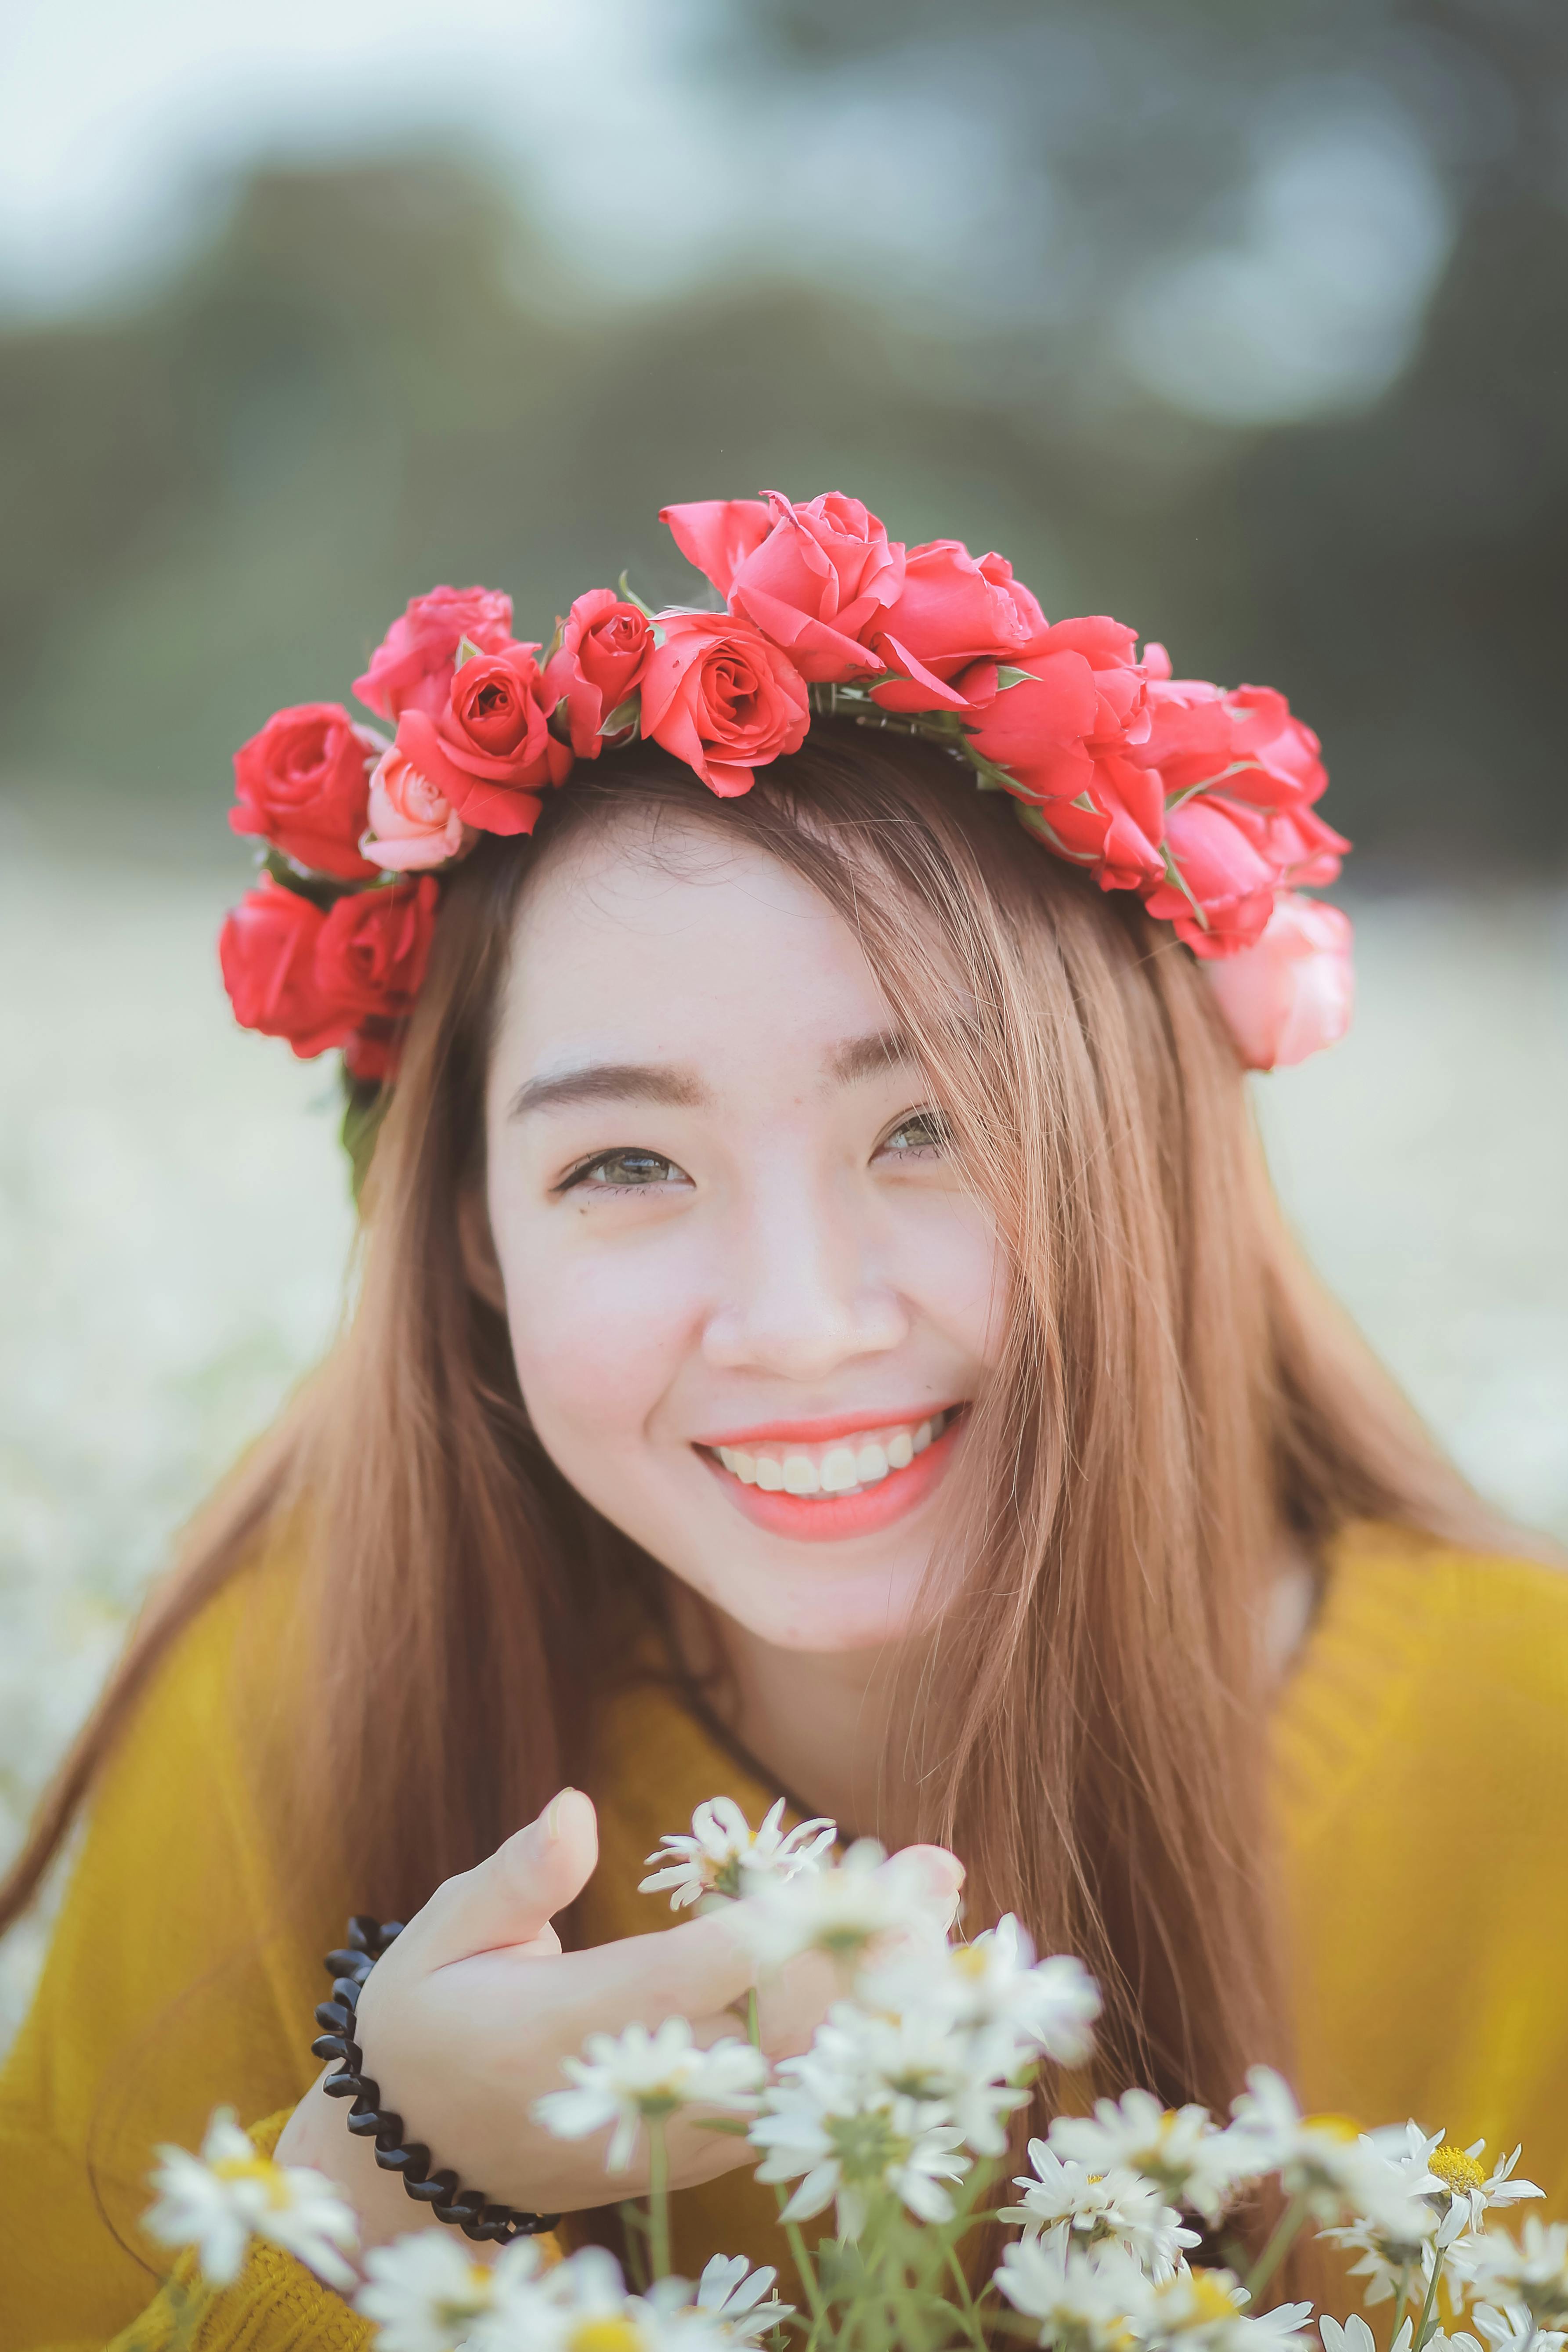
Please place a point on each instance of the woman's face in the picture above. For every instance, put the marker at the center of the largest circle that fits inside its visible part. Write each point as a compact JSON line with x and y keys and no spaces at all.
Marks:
{"x":749,"y":1297}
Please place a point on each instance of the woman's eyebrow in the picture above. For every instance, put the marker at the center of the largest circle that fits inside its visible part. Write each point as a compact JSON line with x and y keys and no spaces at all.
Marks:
{"x":648,"y":1082}
{"x":866,"y":1057}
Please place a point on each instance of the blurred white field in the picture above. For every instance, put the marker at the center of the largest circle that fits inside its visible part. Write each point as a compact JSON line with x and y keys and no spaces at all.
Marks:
{"x":174,"y":1221}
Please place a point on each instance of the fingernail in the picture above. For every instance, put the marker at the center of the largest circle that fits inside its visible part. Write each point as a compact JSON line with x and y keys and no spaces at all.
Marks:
{"x":552,"y":1815}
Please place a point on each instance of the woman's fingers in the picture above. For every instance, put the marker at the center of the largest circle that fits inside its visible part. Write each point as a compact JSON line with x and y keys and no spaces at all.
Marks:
{"x":939,"y":1873}
{"x":693,"y":1970}
{"x":509,"y":1898}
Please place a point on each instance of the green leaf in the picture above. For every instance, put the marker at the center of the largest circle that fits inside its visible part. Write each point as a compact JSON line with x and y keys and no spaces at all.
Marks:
{"x":625,"y":714}
{"x":365,"y":1104}
{"x":629,"y":596}
{"x":734,"y":2125}
{"x":1007,"y":674}
{"x":467,"y":651}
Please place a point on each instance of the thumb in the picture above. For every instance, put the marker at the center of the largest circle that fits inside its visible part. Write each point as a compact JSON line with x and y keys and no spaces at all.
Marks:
{"x":511,"y":1897}
{"x":938,"y":1873}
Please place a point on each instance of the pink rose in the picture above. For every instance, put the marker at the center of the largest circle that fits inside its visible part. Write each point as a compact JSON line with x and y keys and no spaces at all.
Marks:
{"x":1063,"y":735}
{"x":1220,"y":893}
{"x":818,"y":579}
{"x":490,"y":753}
{"x":604,"y":650}
{"x":411,"y":669}
{"x":718,"y":696}
{"x":412,"y":825}
{"x":301,"y":785}
{"x":953,"y":613}
{"x":1294,"y":990}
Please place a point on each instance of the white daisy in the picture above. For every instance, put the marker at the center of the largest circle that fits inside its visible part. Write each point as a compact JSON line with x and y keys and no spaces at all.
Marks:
{"x":1511,"y":2329}
{"x":427,"y":2294}
{"x":1468,"y":2183}
{"x":1344,"y":2174}
{"x":1095,"y":2302}
{"x":944,"y":2076}
{"x":1069,"y":2207}
{"x":216,"y":2202}
{"x":1048,"y":2005}
{"x":844,"y":2137}
{"x":636,"y":2077}
{"x":1206,"y":2311}
{"x":1531,"y":2273}
{"x":845,"y":1908}
{"x":1178,"y":2148}
{"x":724,"y":1857}
{"x":733,"y":2306}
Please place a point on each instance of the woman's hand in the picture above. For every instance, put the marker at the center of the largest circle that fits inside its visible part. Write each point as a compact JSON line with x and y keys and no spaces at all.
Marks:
{"x":466,"y":2018}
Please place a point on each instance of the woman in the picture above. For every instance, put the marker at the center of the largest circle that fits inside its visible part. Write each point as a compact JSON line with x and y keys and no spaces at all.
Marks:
{"x":823,"y":1331}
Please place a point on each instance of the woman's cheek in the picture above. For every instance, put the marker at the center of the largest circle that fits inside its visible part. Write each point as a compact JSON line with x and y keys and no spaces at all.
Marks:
{"x":598,"y":1338}
{"x":949,"y":1265}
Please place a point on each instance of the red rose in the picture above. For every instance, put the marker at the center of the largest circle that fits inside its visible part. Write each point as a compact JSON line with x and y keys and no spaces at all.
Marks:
{"x":816,"y":579}
{"x":266,"y":949}
{"x":1305,"y":850}
{"x":1220,"y":890}
{"x":604,"y":650}
{"x":1063,"y":733}
{"x":303,"y":784}
{"x":490,"y":753}
{"x":411,"y":669}
{"x":1244,"y":743}
{"x":952,"y":614}
{"x":718,"y":696}
{"x":372,"y":949}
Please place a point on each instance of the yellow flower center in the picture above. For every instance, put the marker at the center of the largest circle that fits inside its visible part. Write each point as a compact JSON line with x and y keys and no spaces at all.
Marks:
{"x":1340,"y":2128}
{"x":968,"y":1961}
{"x":256,"y":2167}
{"x":1456,"y":2171}
{"x":1211,"y":2298}
{"x":605,"y":2336}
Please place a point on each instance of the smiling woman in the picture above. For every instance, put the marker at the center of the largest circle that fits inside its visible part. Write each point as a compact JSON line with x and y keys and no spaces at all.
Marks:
{"x":825,"y":1334}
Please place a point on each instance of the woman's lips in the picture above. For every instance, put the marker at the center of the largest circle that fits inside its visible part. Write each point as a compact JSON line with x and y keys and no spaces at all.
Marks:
{"x":849,"y":1478}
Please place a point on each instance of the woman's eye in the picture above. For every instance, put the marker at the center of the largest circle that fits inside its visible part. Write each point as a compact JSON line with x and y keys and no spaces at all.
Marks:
{"x":615,"y":1172}
{"x":921,"y":1136}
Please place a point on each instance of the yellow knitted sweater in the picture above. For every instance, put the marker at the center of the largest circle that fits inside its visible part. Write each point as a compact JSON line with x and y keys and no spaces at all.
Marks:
{"x":1421,"y":1769}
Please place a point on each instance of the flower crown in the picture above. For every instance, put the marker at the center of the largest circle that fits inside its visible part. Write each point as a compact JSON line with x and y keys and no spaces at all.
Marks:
{"x":1199,"y":799}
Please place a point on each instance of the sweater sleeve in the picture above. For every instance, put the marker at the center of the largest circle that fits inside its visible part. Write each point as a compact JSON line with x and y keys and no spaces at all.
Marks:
{"x":171,"y":1986}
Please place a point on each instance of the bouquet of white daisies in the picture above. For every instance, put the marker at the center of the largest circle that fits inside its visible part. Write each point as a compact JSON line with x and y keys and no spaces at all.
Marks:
{"x":891,"y":2134}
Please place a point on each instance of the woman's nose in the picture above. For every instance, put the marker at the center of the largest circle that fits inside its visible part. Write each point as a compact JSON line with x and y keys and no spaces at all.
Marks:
{"x":803,"y":1297}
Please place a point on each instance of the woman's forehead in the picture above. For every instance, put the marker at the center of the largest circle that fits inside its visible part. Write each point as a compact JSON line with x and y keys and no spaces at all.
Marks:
{"x":636,"y":930}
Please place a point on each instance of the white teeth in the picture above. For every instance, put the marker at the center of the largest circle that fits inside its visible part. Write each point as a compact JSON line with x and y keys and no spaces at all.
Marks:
{"x":841,"y":1469}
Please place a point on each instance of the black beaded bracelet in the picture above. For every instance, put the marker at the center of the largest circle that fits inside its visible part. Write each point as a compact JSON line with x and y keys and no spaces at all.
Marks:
{"x":469,"y":2209}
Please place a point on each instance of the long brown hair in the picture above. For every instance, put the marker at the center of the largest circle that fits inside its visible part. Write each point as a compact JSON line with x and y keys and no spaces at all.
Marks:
{"x":1175,"y":1400}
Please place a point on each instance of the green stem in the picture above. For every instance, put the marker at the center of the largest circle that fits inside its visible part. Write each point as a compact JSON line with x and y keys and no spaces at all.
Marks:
{"x":1286,"y":2232}
{"x":805,"y":2268}
{"x":966,"y":2300}
{"x":1404,"y":2297}
{"x":753,"y":2021}
{"x":657,"y":2198}
{"x":1426,"y":2323}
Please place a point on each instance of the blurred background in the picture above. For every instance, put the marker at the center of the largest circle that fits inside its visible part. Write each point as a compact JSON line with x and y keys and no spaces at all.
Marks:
{"x":1247,"y":323}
